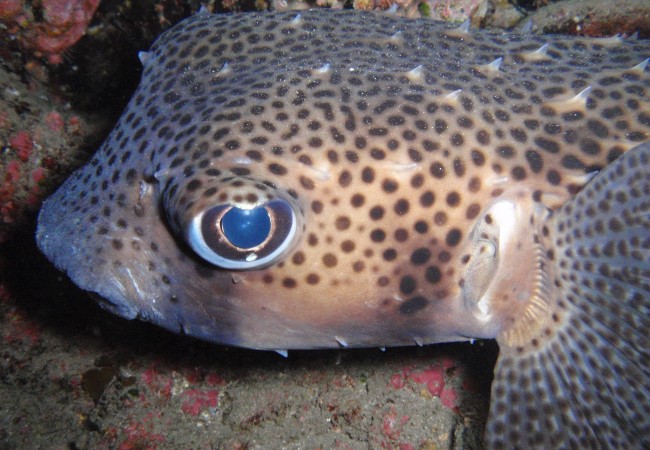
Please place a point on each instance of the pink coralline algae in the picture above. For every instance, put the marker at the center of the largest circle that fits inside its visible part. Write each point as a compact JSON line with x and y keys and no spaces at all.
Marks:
{"x":397,"y":381}
{"x":21,"y":177}
{"x":21,"y":329}
{"x":197,"y":400}
{"x":10,"y":9}
{"x":62,"y":23}
{"x":393,"y":424}
{"x":54,"y":121}
{"x":449,"y":398}
{"x":23,"y":144}
{"x":38,"y":175}
{"x":36,"y":147}
{"x":140,"y":434}
{"x":433,"y":378}
{"x":158,"y":381}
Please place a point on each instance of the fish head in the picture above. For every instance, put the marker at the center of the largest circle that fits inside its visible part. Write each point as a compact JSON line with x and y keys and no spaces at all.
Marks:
{"x":311,"y":199}
{"x":345,"y":179}
{"x":337,"y":235}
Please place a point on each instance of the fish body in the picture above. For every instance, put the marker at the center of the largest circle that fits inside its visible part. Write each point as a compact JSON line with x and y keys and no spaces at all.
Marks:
{"x":345,"y":179}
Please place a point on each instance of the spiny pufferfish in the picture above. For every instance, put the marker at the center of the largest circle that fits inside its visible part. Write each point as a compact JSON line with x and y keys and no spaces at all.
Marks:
{"x":348,"y":179}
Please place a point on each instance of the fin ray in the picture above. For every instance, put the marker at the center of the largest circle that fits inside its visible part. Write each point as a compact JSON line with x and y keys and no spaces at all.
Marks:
{"x":636,"y":334}
{"x":608,"y":366}
{"x":583,"y":381}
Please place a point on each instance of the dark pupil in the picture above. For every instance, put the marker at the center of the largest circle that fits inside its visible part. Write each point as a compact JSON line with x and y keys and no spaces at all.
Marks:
{"x":246,"y":228}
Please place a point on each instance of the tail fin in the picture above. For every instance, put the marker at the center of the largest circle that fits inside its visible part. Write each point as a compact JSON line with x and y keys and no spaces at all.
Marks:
{"x":584,"y":381}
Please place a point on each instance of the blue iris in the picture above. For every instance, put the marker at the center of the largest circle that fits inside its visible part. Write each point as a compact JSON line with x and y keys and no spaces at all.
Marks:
{"x":246,"y":228}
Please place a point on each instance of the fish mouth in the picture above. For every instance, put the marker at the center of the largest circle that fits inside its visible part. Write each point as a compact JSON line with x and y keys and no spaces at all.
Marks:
{"x":136,"y":280}
{"x":59,"y":239}
{"x":53,"y":233}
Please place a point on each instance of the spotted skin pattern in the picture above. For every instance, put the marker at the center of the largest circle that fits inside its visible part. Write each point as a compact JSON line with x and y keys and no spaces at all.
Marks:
{"x":435,"y":176}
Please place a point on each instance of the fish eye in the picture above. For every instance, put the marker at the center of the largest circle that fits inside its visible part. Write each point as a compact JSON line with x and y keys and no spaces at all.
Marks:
{"x":243,"y":238}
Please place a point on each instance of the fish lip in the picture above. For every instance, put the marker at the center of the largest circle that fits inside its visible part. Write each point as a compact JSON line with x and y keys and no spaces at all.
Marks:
{"x":61,"y":247}
{"x":47,"y":239}
{"x":116,"y":308}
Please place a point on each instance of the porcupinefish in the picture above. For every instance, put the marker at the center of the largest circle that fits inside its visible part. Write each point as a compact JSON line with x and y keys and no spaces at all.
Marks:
{"x":347,"y":179}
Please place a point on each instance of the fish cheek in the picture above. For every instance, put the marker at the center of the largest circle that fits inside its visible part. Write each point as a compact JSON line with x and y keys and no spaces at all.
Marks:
{"x":180,"y":291}
{"x":199,"y":300}
{"x":323,"y":297}
{"x":171,"y":286}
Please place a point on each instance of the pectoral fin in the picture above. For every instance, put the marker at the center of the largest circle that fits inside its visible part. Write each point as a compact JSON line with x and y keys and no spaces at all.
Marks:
{"x":583,"y":380}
